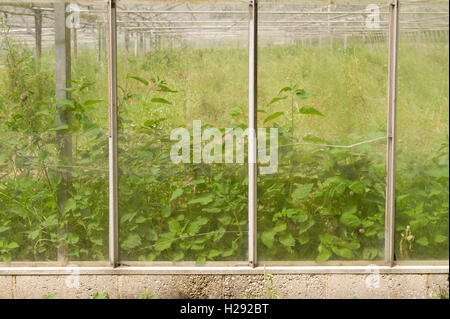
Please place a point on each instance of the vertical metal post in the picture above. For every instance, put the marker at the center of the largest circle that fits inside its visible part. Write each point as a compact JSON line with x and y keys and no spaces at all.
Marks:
{"x":38,"y":32}
{"x":391,"y":133}
{"x":113,"y":136}
{"x":75,"y":42}
{"x":64,"y":117}
{"x":252,"y":136}
{"x":329,"y":27}
{"x":144,"y":43}
{"x":99,"y":41}
{"x":127,"y":41}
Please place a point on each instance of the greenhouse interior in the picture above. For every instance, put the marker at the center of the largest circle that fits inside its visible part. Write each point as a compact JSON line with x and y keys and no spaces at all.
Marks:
{"x":224,"y":149}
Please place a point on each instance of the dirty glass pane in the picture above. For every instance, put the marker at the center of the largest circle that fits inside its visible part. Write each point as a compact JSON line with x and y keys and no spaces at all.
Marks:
{"x":422,"y":222}
{"x":322,"y":86}
{"x":182,"y":70}
{"x":53,"y":132}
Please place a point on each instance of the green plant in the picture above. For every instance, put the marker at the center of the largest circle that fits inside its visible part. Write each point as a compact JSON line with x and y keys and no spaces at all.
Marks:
{"x":50,"y":296}
{"x":148,"y":295}
{"x":269,"y":292}
{"x":442,"y":294}
{"x":103,"y":295}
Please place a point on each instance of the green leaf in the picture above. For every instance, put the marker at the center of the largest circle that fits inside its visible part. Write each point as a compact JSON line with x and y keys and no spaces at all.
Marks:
{"x":70,"y":205}
{"x":92,"y":102}
{"x":303,"y":191}
{"x":50,"y":221}
{"x":300,"y":216}
{"x":280,"y":98}
{"x":343,"y":252}
{"x":45,"y":112}
{"x":350,"y":220}
{"x":195,"y":226}
{"x":103,"y":295}
{"x":314,"y":139}
{"x":124,"y":218}
{"x":280,"y":226}
{"x":357,"y":187}
{"x":439,"y":172}
{"x":13,"y":245}
{"x":273,"y":116}
{"x":163,"y":244}
{"x":143,"y":81}
{"x":201,"y":260}
{"x":160,"y":100}
{"x":302,"y":94}
{"x":132,"y":241}
{"x":163,"y":88}
{"x":174,"y":226}
{"x":166,"y":212}
{"x":423,"y":241}
{"x":324,"y":255}
{"x":267,"y":238}
{"x":154,"y":123}
{"x":305,"y":227}
{"x":70,"y":90}
{"x":303,"y":239}
{"x":204,"y":200}
{"x":85,"y":86}
{"x":369,"y":253}
{"x":4,"y":228}
{"x":438,"y":238}
{"x":225,"y":219}
{"x":285,"y":89}
{"x":309,"y":110}
{"x":135,"y":96}
{"x":97,"y":241}
{"x":72,"y":238}
{"x":213,"y":253}
{"x":212,"y":210}
{"x":66,"y":103}
{"x":152,"y":235}
{"x":287,"y":240}
{"x":176,"y":193}
{"x":179,"y":255}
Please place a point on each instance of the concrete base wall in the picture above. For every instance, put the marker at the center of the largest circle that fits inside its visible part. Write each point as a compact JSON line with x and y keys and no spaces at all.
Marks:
{"x":226,"y":286}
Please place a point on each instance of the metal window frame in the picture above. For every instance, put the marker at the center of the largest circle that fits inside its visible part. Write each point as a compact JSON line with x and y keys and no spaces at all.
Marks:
{"x":391,"y":135}
{"x":238,"y":270}
{"x":252,"y":136}
{"x":114,"y":266}
{"x":113,"y":137}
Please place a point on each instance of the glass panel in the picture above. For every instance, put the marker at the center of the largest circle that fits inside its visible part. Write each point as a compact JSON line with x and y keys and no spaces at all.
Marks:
{"x":422,"y":222}
{"x":322,"y":85}
{"x":182,"y":69}
{"x":53,"y":142}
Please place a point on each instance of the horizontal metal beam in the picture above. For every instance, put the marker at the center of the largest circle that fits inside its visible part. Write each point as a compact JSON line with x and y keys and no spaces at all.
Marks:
{"x":261,"y":12}
{"x":242,"y":270}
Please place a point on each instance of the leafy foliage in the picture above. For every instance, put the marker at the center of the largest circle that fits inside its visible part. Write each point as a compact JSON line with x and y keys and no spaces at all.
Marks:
{"x":324,"y":203}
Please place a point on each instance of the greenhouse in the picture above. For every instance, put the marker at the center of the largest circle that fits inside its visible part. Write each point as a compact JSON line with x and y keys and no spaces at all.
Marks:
{"x":214,"y":148}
